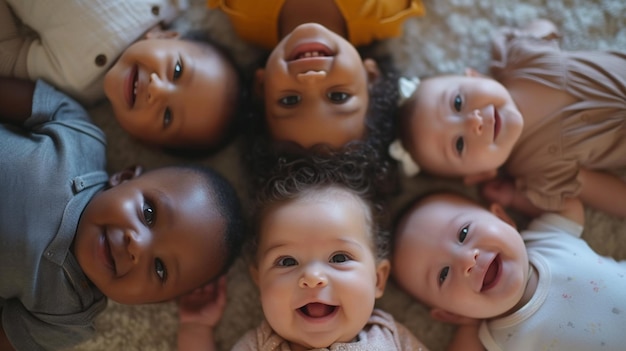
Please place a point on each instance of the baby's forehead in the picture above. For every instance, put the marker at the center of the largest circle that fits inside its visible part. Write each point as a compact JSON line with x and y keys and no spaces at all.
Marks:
{"x":329,"y":196}
{"x":437,"y":207}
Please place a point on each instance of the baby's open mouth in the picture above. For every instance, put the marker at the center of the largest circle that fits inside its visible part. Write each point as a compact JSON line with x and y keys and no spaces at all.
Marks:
{"x":134,"y":90}
{"x":491,"y":276}
{"x":108,"y":255}
{"x":317,"y":310}
{"x":309,"y":51}
{"x":310,"y":54}
{"x":496,"y":124}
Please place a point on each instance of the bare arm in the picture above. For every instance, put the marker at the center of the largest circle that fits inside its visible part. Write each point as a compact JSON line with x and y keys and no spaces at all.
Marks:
{"x":503,"y":191}
{"x":16,"y":100}
{"x":603,"y":191}
{"x":466,"y":339}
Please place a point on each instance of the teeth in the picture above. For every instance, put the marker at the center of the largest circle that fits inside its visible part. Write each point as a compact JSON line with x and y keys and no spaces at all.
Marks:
{"x":135,"y":89}
{"x":312,"y":54}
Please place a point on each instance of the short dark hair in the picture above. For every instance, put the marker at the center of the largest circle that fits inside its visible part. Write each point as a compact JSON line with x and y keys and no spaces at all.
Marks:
{"x":228,"y":205}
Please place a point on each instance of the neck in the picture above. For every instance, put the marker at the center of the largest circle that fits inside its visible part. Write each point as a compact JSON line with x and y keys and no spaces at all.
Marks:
{"x":529,"y":291}
{"x":297,"y":12}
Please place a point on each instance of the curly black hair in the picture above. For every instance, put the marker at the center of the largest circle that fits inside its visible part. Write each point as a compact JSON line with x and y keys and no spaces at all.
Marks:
{"x":309,"y":175}
{"x":260,"y":153}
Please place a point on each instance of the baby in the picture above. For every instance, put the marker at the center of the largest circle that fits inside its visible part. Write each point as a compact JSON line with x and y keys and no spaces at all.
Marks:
{"x":164,"y":91}
{"x":335,"y":106}
{"x":320,"y":263}
{"x":316,"y":88}
{"x":542,"y":289}
{"x":314,"y":79}
{"x":72,"y":236}
{"x":553,"y":119}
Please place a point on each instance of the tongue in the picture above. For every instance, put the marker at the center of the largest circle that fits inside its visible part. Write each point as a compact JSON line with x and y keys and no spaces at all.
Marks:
{"x":317,"y":310}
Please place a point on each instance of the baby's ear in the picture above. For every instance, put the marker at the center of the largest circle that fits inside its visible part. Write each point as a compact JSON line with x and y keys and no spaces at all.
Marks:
{"x":473,"y":179}
{"x":382,"y":275}
{"x":451,"y":318}
{"x":371,"y":67}
{"x":499,"y":211}
{"x":254,"y":274}
{"x":157,"y":32}
{"x":472,"y":72}
{"x":126,"y":174}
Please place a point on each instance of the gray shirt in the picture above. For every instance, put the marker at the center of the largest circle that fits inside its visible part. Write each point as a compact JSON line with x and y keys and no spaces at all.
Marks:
{"x":49,"y":170}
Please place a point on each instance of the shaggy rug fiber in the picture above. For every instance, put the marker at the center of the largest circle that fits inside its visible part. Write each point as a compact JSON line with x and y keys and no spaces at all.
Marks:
{"x":453,"y":35}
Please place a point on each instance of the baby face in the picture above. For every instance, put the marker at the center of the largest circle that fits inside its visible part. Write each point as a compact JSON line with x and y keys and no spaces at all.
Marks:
{"x":315,"y":88}
{"x":151,"y":238}
{"x":462,"y":125}
{"x":317,"y":275}
{"x":172,"y":93}
{"x":456,"y":256}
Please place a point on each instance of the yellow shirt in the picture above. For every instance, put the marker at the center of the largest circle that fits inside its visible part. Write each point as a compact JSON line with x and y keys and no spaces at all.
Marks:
{"x":367,"y":20}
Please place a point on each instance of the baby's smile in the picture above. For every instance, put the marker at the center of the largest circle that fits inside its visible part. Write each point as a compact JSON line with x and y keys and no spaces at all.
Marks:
{"x":317,"y":310}
{"x":491,"y":276}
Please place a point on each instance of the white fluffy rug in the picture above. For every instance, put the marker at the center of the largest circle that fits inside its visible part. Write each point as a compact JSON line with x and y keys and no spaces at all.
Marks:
{"x":454,"y":34}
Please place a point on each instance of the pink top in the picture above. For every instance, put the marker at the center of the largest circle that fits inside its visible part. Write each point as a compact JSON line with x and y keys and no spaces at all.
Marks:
{"x":380,"y":333}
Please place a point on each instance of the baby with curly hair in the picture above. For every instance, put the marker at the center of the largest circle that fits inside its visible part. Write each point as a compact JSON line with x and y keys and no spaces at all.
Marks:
{"x":320,"y":262}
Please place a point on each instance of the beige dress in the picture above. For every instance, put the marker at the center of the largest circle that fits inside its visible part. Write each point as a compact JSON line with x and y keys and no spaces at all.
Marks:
{"x":590,"y":132}
{"x":381,"y":333}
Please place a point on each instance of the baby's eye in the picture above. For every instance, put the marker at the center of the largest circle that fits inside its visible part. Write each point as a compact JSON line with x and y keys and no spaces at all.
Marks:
{"x":286,"y":262}
{"x":338,"y":97}
{"x":167,"y":118}
{"x":178,"y":70}
{"x":457,"y":103}
{"x":289,"y":100}
{"x":459,"y":145}
{"x":148,"y":214}
{"x":443,"y":275}
{"x":159,"y":268}
{"x":463,"y":233}
{"x":339,"y":258}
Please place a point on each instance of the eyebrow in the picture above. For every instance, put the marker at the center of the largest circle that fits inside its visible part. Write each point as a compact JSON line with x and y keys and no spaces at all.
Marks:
{"x":442,"y":110}
{"x":188,"y":73}
{"x":173,"y":265}
{"x":427,"y":274}
{"x":352,"y":242}
{"x":273,"y":247}
{"x":162,"y":200}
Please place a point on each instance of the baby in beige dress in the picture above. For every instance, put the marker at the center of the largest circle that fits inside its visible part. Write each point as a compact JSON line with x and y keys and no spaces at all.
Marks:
{"x":555,"y":121}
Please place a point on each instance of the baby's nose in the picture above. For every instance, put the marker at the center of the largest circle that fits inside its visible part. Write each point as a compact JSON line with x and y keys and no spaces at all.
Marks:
{"x":156,"y":88}
{"x":475,"y":122}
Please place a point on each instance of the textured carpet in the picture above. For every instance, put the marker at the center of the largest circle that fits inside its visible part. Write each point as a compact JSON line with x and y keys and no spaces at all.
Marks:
{"x":453,"y":35}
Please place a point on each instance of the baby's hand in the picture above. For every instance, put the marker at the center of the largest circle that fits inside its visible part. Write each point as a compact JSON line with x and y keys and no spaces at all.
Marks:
{"x":204,"y":305}
{"x":499,"y":190}
{"x":502,"y":191}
